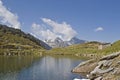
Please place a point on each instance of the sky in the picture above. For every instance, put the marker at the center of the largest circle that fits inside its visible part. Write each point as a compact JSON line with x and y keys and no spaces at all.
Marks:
{"x":92,"y":20}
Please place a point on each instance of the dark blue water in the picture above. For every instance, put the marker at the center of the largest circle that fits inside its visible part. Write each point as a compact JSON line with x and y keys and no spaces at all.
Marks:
{"x":44,"y":68}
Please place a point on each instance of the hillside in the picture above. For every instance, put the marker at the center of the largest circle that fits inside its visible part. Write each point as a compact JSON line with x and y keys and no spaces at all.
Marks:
{"x":87,"y":49}
{"x":14,"y":41}
{"x":115,"y":47}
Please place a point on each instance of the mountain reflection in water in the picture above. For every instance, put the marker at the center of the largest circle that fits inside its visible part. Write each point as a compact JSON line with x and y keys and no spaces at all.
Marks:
{"x":44,"y":68}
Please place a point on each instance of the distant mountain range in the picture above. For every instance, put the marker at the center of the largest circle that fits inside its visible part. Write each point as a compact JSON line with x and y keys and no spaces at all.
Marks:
{"x":58,"y":42}
{"x":76,"y":40}
{"x":11,"y":37}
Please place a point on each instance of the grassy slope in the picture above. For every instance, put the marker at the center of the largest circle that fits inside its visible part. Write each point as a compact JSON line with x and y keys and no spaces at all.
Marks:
{"x":15,"y":43}
{"x":87,"y":48}
{"x":90,"y":47}
{"x":114,"y":48}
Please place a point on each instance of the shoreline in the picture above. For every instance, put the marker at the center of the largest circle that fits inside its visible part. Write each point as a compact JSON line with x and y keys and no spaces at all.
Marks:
{"x":104,"y":68}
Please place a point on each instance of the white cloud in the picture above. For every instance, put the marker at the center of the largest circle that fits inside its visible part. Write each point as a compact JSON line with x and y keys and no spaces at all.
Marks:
{"x":55,"y":29}
{"x":8,"y":18}
{"x":39,"y":31}
{"x":99,"y":29}
{"x":64,"y":29}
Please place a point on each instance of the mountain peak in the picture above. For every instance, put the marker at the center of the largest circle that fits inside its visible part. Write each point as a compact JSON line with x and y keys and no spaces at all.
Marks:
{"x":58,"y":42}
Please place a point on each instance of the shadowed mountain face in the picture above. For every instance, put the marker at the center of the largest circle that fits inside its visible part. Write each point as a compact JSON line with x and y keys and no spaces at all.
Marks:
{"x":17,"y":37}
{"x":75,"y":40}
{"x":58,"y":42}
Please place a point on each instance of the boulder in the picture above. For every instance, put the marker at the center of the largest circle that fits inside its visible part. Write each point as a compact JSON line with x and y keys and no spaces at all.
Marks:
{"x":99,"y":78}
{"x":106,"y":68}
{"x":83,"y":67}
{"x":101,"y":64}
{"x":111,"y":56}
{"x":116,"y":71}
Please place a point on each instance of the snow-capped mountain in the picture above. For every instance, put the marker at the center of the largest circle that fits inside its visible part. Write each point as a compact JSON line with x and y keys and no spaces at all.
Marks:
{"x":58,"y":42}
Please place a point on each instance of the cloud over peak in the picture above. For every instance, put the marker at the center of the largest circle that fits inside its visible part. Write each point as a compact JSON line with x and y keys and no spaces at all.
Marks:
{"x":8,"y":18}
{"x":41,"y":32}
{"x":62,"y":30}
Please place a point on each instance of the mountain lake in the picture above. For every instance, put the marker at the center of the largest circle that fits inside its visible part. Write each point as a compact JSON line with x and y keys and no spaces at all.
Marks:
{"x":43,"y":68}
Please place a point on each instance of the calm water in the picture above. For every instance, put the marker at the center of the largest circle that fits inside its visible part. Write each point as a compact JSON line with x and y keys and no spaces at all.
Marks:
{"x":44,"y":68}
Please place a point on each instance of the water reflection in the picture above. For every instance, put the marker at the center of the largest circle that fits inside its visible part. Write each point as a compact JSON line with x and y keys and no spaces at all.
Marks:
{"x":44,"y":68}
{"x":14,"y":64}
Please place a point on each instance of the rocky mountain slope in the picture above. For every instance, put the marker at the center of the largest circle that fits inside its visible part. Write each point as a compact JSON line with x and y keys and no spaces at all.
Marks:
{"x":75,"y":40}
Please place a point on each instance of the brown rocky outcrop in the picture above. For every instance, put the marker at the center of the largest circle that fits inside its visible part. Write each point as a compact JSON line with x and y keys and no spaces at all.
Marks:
{"x":105,"y":68}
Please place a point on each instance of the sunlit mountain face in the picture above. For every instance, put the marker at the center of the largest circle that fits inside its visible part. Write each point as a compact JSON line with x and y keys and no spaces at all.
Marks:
{"x":58,"y":42}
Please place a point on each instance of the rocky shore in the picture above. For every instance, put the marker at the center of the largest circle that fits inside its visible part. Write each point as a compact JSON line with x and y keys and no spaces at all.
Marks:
{"x":105,"y":68}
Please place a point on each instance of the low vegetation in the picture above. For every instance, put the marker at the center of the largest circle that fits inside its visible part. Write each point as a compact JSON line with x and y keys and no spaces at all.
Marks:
{"x":115,"y":47}
{"x":15,"y":42}
{"x":89,"y":49}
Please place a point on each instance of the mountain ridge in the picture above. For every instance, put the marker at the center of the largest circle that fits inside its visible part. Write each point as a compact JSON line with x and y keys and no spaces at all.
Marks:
{"x":58,"y":42}
{"x":19,"y":33}
{"x":14,"y":42}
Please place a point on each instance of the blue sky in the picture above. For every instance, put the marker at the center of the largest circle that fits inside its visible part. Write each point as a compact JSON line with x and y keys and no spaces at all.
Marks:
{"x":87,"y":19}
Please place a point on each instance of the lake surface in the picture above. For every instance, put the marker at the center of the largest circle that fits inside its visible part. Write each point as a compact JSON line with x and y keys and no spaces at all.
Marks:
{"x":43,"y":68}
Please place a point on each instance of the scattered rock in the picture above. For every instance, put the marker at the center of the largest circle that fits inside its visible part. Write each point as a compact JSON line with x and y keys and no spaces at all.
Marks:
{"x":92,"y":76}
{"x":116,"y":71}
{"x":83,"y":67}
{"x":99,"y":78}
{"x":118,"y":62}
{"x":111,"y":56}
{"x":86,"y":62}
{"x":107,"y":63}
{"x":99,"y":71}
